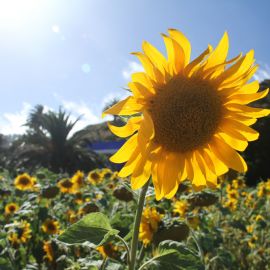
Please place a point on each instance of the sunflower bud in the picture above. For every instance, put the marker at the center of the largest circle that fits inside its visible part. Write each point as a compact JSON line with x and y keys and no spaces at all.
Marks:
{"x":176,"y":232}
{"x":122,"y":194}
{"x":201,"y":199}
{"x":50,"y":192}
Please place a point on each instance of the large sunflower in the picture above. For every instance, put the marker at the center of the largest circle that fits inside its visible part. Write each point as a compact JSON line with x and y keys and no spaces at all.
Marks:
{"x":188,"y":119}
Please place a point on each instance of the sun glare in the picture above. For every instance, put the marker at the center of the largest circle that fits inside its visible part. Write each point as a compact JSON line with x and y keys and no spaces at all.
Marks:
{"x":16,"y":12}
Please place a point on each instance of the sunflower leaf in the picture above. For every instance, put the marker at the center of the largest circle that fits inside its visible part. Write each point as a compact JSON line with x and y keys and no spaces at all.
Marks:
{"x":172,"y":255}
{"x":94,"y":228}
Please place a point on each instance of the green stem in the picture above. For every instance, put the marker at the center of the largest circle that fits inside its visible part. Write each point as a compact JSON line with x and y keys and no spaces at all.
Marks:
{"x":126,"y":247}
{"x":135,"y":236}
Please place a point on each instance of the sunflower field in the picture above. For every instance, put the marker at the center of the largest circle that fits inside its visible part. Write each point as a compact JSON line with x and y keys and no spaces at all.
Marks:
{"x":84,"y":221}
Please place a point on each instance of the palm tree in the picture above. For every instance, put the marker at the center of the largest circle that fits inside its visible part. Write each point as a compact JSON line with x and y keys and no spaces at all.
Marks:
{"x":49,"y":143}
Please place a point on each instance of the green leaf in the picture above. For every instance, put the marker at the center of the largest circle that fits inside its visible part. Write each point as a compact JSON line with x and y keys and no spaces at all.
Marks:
{"x":5,"y":264}
{"x":172,"y":255}
{"x":94,"y":228}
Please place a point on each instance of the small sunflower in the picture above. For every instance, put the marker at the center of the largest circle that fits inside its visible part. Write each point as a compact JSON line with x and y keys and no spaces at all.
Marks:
{"x":109,"y":250}
{"x":24,"y":182}
{"x":187,"y":119}
{"x":47,"y":247}
{"x":180,"y":208}
{"x":78,"y":178}
{"x":149,"y":224}
{"x":231,"y":204}
{"x":94,"y":177}
{"x":20,"y":234}
{"x":11,"y":208}
{"x":51,"y":226}
{"x":67,"y":186}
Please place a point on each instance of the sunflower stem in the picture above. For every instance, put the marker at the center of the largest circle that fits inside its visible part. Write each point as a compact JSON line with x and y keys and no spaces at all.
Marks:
{"x":137,"y":221}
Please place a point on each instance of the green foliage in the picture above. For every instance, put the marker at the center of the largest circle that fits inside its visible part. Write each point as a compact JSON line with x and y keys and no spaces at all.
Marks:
{"x":94,"y":228}
{"x":173,"y":255}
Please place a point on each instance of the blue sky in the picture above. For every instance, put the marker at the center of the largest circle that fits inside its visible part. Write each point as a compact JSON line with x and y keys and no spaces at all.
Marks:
{"x":76,"y":54}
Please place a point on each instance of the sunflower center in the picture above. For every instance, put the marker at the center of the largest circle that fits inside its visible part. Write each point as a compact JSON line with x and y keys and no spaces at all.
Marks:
{"x":186,"y":113}
{"x":24,"y":181}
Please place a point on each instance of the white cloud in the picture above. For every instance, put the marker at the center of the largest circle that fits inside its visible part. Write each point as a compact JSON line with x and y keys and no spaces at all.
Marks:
{"x":131,"y":68}
{"x":12,"y":123}
{"x":262,"y":73}
{"x":80,"y":109}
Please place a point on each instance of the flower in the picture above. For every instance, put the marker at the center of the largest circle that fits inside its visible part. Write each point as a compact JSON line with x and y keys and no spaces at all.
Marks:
{"x":187,"y":119}
{"x":106,"y":173}
{"x":252,"y":241}
{"x":180,"y":207}
{"x":250,"y":228}
{"x":193,"y":222}
{"x":94,"y":177}
{"x":67,"y":186}
{"x":24,"y":182}
{"x":11,"y":208}
{"x":109,"y":250}
{"x":78,"y":178}
{"x":20,"y":234}
{"x":50,"y":226}
{"x":47,"y":247}
{"x":231,"y":204}
{"x":149,"y":224}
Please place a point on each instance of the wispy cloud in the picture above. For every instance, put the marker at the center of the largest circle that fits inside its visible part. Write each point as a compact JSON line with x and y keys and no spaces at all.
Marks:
{"x":12,"y":123}
{"x":80,"y":109}
{"x":263,"y":73}
{"x":131,"y":68}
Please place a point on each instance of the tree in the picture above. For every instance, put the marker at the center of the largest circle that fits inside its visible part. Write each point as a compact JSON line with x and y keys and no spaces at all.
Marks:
{"x":257,"y":153}
{"x":49,"y":143}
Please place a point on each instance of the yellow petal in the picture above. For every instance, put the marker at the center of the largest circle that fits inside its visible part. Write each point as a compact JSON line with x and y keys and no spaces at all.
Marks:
{"x":239,"y":145}
{"x":249,"y":133}
{"x":127,"y":106}
{"x":213,"y":71}
{"x":146,"y":131}
{"x":240,"y":118}
{"x":131,"y":126}
{"x":155,"y":56}
{"x":140,"y":91}
{"x":195,"y":64}
{"x":149,"y":68}
{"x":130,"y":164}
{"x":175,"y":55}
{"x":241,"y":80}
{"x":142,"y":171}
{"x":229,"y":156}
{"x":160,"y":172}
{"x":250,"y":88}
{"x":219,"y":55}
{"x":125,"y":152}
{"x":156,"y":157}
{"x":218,"y":167}
{"x":238,"y":69}
{"x":181,"y":39}
{"x":248,"y":111}
{"x":142,"y":78}
{"x":247,"y":98}
{"x":198,"y":181}
{"x":171,"y":172}
{"x":210,"y":177}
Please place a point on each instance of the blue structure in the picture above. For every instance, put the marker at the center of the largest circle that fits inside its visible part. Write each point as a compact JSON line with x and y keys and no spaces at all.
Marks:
{"x":106,"y":147}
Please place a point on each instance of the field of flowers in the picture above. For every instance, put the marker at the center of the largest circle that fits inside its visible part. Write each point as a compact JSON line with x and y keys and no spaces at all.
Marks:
{"x":46,"y":219}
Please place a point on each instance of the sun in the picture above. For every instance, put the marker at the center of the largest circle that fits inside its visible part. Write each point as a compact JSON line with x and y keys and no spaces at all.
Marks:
{"x":15,"y":12}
